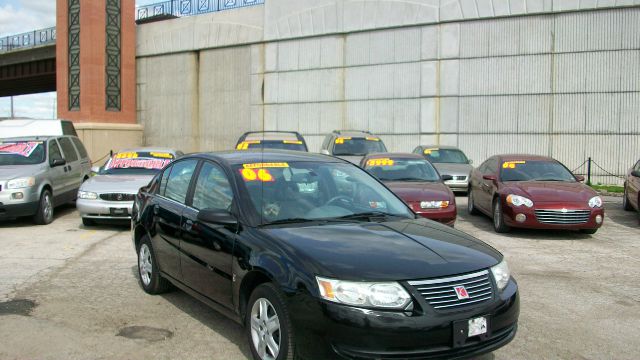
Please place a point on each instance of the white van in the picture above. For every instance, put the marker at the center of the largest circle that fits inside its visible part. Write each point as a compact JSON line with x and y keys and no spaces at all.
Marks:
{"x":34,"y":127}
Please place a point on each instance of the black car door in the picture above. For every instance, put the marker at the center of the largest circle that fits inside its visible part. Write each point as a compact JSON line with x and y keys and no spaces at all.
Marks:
{"x":207,"y":248}
{"x":167,"y":212}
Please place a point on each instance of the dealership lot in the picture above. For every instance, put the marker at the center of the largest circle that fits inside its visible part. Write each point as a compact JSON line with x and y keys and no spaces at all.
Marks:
{"x":68,"y":291}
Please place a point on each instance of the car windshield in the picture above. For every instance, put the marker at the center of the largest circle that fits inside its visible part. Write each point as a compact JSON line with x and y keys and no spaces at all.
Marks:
{"x":296,"y":145}
{"x":449,"y":156}
{"x":136,"y":163}
{"x":357,"y":146}
{"x":521,"y":170}
{"x":396,"y":169}
{"x":21,"y":152}
{"x":308,"y":191}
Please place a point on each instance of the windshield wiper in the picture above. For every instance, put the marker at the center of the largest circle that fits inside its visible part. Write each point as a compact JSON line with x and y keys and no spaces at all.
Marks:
{"x":407,"y":179}
{"x":289,"y":221}
{"x":366,"y":215}
{"x":548,"y":180}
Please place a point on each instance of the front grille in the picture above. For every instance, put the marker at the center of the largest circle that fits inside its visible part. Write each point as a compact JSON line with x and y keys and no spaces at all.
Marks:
{"x":440,"y":293}
{"x":117,"y":197}
{"x":563,"y":216}
{"x":459,"y":178}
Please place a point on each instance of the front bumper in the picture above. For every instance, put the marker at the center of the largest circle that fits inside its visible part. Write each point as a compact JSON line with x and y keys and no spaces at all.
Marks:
{"x":101,"y":209}
{"x":12,"y":208}
{"x":9,"y":211}
{"x":532,"y":221}
{"x":446,"y":216}
{"x":458,"y":185}
{"x":325,"y":330}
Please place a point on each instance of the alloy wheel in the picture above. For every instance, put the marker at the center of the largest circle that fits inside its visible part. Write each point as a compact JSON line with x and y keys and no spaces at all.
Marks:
{"x":145,"y":264}
{"x":470,"y":201}
{"x":265,"y":329}
{"x":497,"y":215}
{"x":47,"y":207}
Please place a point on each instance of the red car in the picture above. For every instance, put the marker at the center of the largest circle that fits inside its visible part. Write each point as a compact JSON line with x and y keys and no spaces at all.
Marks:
{"x":529,"y":191}
{"x":631,"y":199}
{"x":416,"y":182}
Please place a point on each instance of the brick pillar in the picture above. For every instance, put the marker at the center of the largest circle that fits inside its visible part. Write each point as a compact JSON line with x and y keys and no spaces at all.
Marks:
{"x":97,"y":38}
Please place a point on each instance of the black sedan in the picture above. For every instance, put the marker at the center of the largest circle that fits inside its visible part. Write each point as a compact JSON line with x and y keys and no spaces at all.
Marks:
{"x":319,"y":260}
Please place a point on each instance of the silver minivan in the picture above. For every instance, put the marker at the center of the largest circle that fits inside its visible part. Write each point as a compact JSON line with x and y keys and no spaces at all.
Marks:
{"x":39,"y":173}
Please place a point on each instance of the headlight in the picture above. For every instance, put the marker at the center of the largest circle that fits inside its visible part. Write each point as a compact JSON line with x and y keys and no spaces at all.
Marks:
{"x":595,"y":202}
{"x":388,"y":295}
{"x":517,"y":200}
{"x":21,"y":183}
{"x":501,"y":274}
{"x":87,"y":195}
{"x":434,"y":204}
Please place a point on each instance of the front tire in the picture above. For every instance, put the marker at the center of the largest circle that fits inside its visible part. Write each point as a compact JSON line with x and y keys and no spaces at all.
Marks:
{"x":625,"y":200}
{"x":268,"y":324}
{"x":498,"y":218}
{"x":44,"y":215}
{"x":471,"y":207}
{"x":150,"y":279}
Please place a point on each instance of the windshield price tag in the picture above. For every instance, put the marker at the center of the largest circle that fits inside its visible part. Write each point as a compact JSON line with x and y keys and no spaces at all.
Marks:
{"x":256,"y":174}
{"x":380,"y":162}
{"x":266,"y":165}
{"x":140,"y":163}
{"x":22,"y":148}
{"x":341,"y":140}
{"x":245,"y":144}
{"x":429,"y":151}
{"x":372,"y":139}
{"x":512,"y":164}
{"x":297,"y":142}
{"x":126,"y":155}
{"x":163,"y":155}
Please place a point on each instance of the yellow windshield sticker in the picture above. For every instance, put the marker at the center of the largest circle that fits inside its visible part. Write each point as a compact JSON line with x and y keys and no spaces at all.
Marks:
{"x":341,"y":140}
{"x":165,"y":155}
{"x":297,"y":142}
{"x":256,"y":174}
{"x":380,"y":162}
{"x":429,"y":151}
{"x":372,"y":139}
{"x":512,"y":164}
{"x":245,"y":144}
{"x":127,"y":155}
{"x":265,"y":165}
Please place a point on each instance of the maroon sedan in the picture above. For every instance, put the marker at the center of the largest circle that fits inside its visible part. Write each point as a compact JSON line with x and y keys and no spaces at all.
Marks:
{"x":631,"y":200}
{"x":529,"y":191}
{"x":416,"y":182}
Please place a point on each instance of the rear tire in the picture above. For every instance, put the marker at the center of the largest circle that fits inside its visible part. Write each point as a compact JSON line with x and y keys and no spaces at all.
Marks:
{"x":589,"y":231}
{"x":150,"y":279}
{"x":498,"y":218}
{"x":44,"y":215}
{"x":268,"y":324}
{"x":625,"y":200}
{"x":471,"y":208}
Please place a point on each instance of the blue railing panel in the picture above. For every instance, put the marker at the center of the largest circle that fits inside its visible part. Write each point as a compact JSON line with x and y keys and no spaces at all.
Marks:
{"x":182,"y":8}
{"x":28,"y":39}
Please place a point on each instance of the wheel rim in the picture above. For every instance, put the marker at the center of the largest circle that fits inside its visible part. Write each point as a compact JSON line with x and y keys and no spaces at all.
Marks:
{"x":144,"y":263}
{"x":624,"y":198}
{"x":47,"y":207}
{"x":265,"y":329}
{"x":497,"y":216}
{"x":470,"y":201}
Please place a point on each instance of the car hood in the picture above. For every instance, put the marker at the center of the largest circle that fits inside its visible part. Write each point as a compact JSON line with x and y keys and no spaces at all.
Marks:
{"x":127,"y":184}
{"x":556,"y":191}
{"x":8,"y":172}
{"x":355,"y":159}
{"x":453,"y":169}
{"x":420,"y":191}
{"x":397,"y":250}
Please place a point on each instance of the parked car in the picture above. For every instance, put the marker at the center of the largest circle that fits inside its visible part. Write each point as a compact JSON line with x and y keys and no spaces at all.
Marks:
{"x":11,"y":128}
{"x":39,"y":173}
{"x":449,"y":160}
{"x":416,"y":182}
{"x":314,"y":269}
{"x":285,"y":140}
{"x":352,"y":145}
{"x":109,"y":194}
{"x":530,"y":191}
{"x":631,"y":199}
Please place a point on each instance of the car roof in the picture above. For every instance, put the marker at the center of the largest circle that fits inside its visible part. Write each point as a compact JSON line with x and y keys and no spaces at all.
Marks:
{"x":264,"y":156}
{"x":440,"y":147}
{"x":149,"y":149}
{"x":33,"y":138}
{"x":516,"y":157}
{"x":272,"y":135}
{"x":355,"y":133}
{"x":396,"y":155}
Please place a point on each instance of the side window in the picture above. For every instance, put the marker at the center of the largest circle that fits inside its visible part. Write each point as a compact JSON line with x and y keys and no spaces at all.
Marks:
{"x":68,"y":149}
{"x":637,"y":166}
{"x":212,"y":190}
{"x":483,"y":167}
{"x":81,"y":150}
{"x":492,"y":166}
{"x":325,"y":143}
{"x":179,"y":179}
{"x":54,"y":151}
{"x":163,"y":180}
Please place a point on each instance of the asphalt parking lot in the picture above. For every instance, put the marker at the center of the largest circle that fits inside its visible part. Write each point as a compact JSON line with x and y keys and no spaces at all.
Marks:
{"x":71,"y":292}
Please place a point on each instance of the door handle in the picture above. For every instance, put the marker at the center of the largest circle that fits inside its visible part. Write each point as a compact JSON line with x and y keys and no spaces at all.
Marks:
{"x":188,"y":225}
{"x":155,"y":210}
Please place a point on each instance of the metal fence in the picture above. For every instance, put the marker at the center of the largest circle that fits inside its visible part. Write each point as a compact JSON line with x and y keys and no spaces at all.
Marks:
{"x":28,"y":39}
{"x":182,"y":8}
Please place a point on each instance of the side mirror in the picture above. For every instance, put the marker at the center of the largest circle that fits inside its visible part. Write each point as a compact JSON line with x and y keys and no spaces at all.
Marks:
{"x":490,"y":177}
{"x":218,"y":217}
{"x":470,"y":162}
{"x":580,"y":178}
{"x":446,"y":177}
{"x":324,"y":152}
{"x":635,"y":173}
{"x":58,"y":162}
{"x":95,"y":170}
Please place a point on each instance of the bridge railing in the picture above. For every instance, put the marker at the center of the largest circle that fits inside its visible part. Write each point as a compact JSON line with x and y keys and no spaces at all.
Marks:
{"x":28,"y":39}
{"x":182,"y":8}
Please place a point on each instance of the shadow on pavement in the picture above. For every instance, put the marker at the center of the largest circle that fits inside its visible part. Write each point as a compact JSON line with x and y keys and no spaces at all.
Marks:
{"x":27,"y":221}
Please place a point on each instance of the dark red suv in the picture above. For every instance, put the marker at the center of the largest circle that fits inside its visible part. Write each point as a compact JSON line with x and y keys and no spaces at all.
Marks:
{"x":530,"y":191}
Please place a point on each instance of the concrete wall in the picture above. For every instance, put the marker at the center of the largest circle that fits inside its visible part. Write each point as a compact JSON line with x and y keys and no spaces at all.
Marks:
{"x":100,"y":138}
{"x":563,"y":83}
